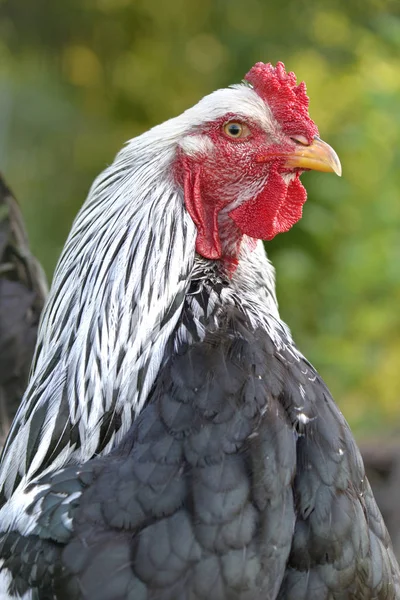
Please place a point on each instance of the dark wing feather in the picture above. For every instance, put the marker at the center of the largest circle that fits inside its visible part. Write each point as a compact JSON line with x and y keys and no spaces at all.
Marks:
{"x":341,"y":548}
{"x":240,"y":480}
{"x":23,"y":289}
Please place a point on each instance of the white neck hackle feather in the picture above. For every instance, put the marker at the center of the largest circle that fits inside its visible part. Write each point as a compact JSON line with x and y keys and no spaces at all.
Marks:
{"x":117,"y":295}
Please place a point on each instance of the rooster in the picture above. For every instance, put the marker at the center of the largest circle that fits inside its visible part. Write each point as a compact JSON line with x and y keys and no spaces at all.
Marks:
{"x":173,"y":443}
{"x":23,"y":290}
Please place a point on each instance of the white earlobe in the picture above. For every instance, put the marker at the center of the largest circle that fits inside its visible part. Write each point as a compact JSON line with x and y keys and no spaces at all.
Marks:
{"x":196,"y":144}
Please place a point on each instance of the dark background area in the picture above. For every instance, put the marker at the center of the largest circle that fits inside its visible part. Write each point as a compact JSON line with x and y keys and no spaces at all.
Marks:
{"x":80,"y":77}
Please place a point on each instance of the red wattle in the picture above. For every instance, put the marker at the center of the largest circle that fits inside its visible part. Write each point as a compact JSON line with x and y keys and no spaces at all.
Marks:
{"x":203,"y":213}
{"x":275,"y":210}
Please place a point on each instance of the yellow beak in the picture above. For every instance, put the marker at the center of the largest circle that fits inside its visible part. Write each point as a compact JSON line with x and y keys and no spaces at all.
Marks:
{"x":318,"y":156}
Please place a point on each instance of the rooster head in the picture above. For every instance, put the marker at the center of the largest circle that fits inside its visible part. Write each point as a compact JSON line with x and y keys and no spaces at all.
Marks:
{"x":240,"y":168}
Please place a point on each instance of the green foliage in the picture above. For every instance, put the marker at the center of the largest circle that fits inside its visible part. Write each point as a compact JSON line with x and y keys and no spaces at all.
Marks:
{"x":78,"y":78}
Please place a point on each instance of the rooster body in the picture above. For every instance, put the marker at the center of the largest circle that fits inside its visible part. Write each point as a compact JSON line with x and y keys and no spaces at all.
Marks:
{"x":173,"y":443}
{"x":23,"y":289}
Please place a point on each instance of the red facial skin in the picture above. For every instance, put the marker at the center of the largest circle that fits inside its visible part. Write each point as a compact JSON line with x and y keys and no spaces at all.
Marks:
{"x":250,"y":167}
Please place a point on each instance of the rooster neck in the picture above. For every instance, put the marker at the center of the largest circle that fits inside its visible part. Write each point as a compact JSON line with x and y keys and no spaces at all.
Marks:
{"x":214,"y":291}
{"x":116,"y":297}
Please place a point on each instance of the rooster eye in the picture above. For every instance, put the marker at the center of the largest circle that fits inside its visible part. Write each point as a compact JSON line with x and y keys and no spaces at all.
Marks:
{"x":236,"y":130}
{"x":300,"y":139}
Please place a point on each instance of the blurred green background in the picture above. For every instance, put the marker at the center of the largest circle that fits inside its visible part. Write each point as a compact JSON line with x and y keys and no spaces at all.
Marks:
{"x":80,"y":77}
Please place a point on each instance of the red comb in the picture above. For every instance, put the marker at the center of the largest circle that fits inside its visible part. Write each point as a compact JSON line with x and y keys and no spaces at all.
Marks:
{"x":287,"y":100}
